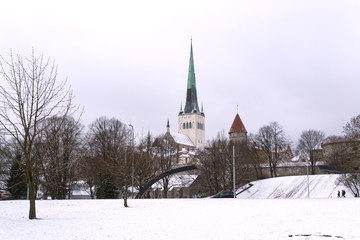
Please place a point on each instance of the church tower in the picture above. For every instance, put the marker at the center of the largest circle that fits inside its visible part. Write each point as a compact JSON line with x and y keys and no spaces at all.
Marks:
{"x":192,"y":119}
{"x":237,"y":132}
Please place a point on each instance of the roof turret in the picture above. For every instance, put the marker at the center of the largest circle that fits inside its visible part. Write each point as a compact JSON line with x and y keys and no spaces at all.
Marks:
{"x":237,"y":125}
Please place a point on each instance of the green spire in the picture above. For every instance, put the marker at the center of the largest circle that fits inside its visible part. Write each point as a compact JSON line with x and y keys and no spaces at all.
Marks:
{"x":191,"y":96}
{"x":148,"y":141}
{"x":191,"y":75}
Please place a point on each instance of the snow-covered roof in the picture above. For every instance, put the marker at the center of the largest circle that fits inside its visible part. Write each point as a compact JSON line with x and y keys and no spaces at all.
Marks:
{"x":318,"y":147}
{"x":186,"y":154}
{"x":291,"y":164}
{"x":177,"y":181}
{"x":299,"y":157}
{"x":296,"y":158}
{"x":182,"y":139}
{"x":338,"y":139}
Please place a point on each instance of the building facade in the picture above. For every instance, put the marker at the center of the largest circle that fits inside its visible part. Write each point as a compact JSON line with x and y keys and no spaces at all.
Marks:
{"x":341,"y":154}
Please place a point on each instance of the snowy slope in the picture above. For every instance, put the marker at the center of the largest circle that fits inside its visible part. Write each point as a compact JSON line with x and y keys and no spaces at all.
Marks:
{"x":320,"y":186}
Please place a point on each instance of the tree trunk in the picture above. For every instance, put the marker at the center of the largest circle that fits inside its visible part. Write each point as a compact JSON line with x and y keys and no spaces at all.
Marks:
{"x":32,"y":210}
{"x":30,"y":181}
{"x":271,"y":169}
{"x":125,"y":195}
{"x":126,"y":181}
{"x":274,"y":170}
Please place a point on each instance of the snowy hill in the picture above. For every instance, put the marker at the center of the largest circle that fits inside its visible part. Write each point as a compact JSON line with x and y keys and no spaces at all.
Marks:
{"x":320,"y":186}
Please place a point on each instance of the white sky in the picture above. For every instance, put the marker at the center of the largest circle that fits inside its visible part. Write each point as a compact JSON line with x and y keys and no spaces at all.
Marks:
{"x":295,"y":62}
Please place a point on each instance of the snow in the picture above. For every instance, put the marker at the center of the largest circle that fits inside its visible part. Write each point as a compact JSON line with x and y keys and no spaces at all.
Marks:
{"x":182,"y":139}
{"x":177,"y":181}
{"x":320,"y":186}
{"x":181,"y":219}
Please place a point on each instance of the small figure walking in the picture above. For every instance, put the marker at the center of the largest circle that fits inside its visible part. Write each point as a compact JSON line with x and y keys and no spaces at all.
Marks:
{"x":338,"y":193}
{"x":343,"y":193}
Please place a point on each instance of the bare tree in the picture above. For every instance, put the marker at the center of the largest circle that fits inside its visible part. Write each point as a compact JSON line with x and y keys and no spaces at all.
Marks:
{"x":265,"y":140}
{"x":165,"y":157}
{"x":59,"y":163}
{"x":4,"y":163}
{"x":255,"y":156}
{"x":108,"y":151}
{"x":352,"y":182}
{"x":144,"y":163}
{"x":30,"y":96}
{"x":271,"y":139}
{"x":215,"y":166}
{"x":345,"y":155}
{"x":307,"y":143}
{"x":352,"y":128}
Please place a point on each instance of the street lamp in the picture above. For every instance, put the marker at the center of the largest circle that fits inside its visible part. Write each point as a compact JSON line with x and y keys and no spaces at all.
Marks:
{"x":234,"y":170}
{"x":132,"y":161}
{"x":307,"y":174}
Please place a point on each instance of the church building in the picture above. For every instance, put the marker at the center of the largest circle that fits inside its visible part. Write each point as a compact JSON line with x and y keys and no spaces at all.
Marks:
{"x":191,"y":119}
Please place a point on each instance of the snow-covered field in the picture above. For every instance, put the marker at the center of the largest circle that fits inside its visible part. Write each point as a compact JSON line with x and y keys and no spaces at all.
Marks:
{"x":183,"y":219}
{"x":325,"y":217}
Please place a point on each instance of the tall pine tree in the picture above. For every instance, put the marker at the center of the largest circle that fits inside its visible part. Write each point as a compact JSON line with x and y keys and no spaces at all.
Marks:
{"x":16,"y":183}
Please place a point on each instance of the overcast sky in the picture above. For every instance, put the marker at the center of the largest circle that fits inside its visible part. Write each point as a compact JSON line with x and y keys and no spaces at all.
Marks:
{"x":296,"y":62}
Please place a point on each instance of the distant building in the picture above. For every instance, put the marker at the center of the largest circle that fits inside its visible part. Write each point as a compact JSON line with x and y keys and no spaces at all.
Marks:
{"x":237,"y":132}
{"x":286,"y":165}
{"x":192,"y":118}
{"x":191,"y":121}
{"x":189,"y":138}
{"x":340,"y":154}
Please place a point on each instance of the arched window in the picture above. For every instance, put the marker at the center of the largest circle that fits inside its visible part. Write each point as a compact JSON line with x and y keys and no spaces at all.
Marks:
{"x":183,"y":125}
{"x":187,"y":125}
{"x":190,"y":125}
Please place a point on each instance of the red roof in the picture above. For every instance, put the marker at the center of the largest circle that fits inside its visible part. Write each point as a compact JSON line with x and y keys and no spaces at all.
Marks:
{"x":237,"y":125}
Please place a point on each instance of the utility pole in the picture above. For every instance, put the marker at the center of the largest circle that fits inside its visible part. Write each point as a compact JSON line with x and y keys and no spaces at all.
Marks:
{"x":132,"y":160}
{"x":234,"y":170}
{"x":307,"y":174}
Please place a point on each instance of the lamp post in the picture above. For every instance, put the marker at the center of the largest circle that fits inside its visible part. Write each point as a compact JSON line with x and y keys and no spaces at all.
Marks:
{"x":234,"y":170}
{"x":307,"y":174}
{"x":132,"y":161}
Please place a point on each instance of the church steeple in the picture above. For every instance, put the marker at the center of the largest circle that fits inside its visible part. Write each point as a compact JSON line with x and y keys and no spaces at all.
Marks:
{"x":191,"y":96}
{"x":191,"y":117}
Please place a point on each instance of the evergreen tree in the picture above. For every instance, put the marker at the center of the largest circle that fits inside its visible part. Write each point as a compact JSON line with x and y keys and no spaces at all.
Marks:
{"x":107,"y":190}
{"x":16,"y":183}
